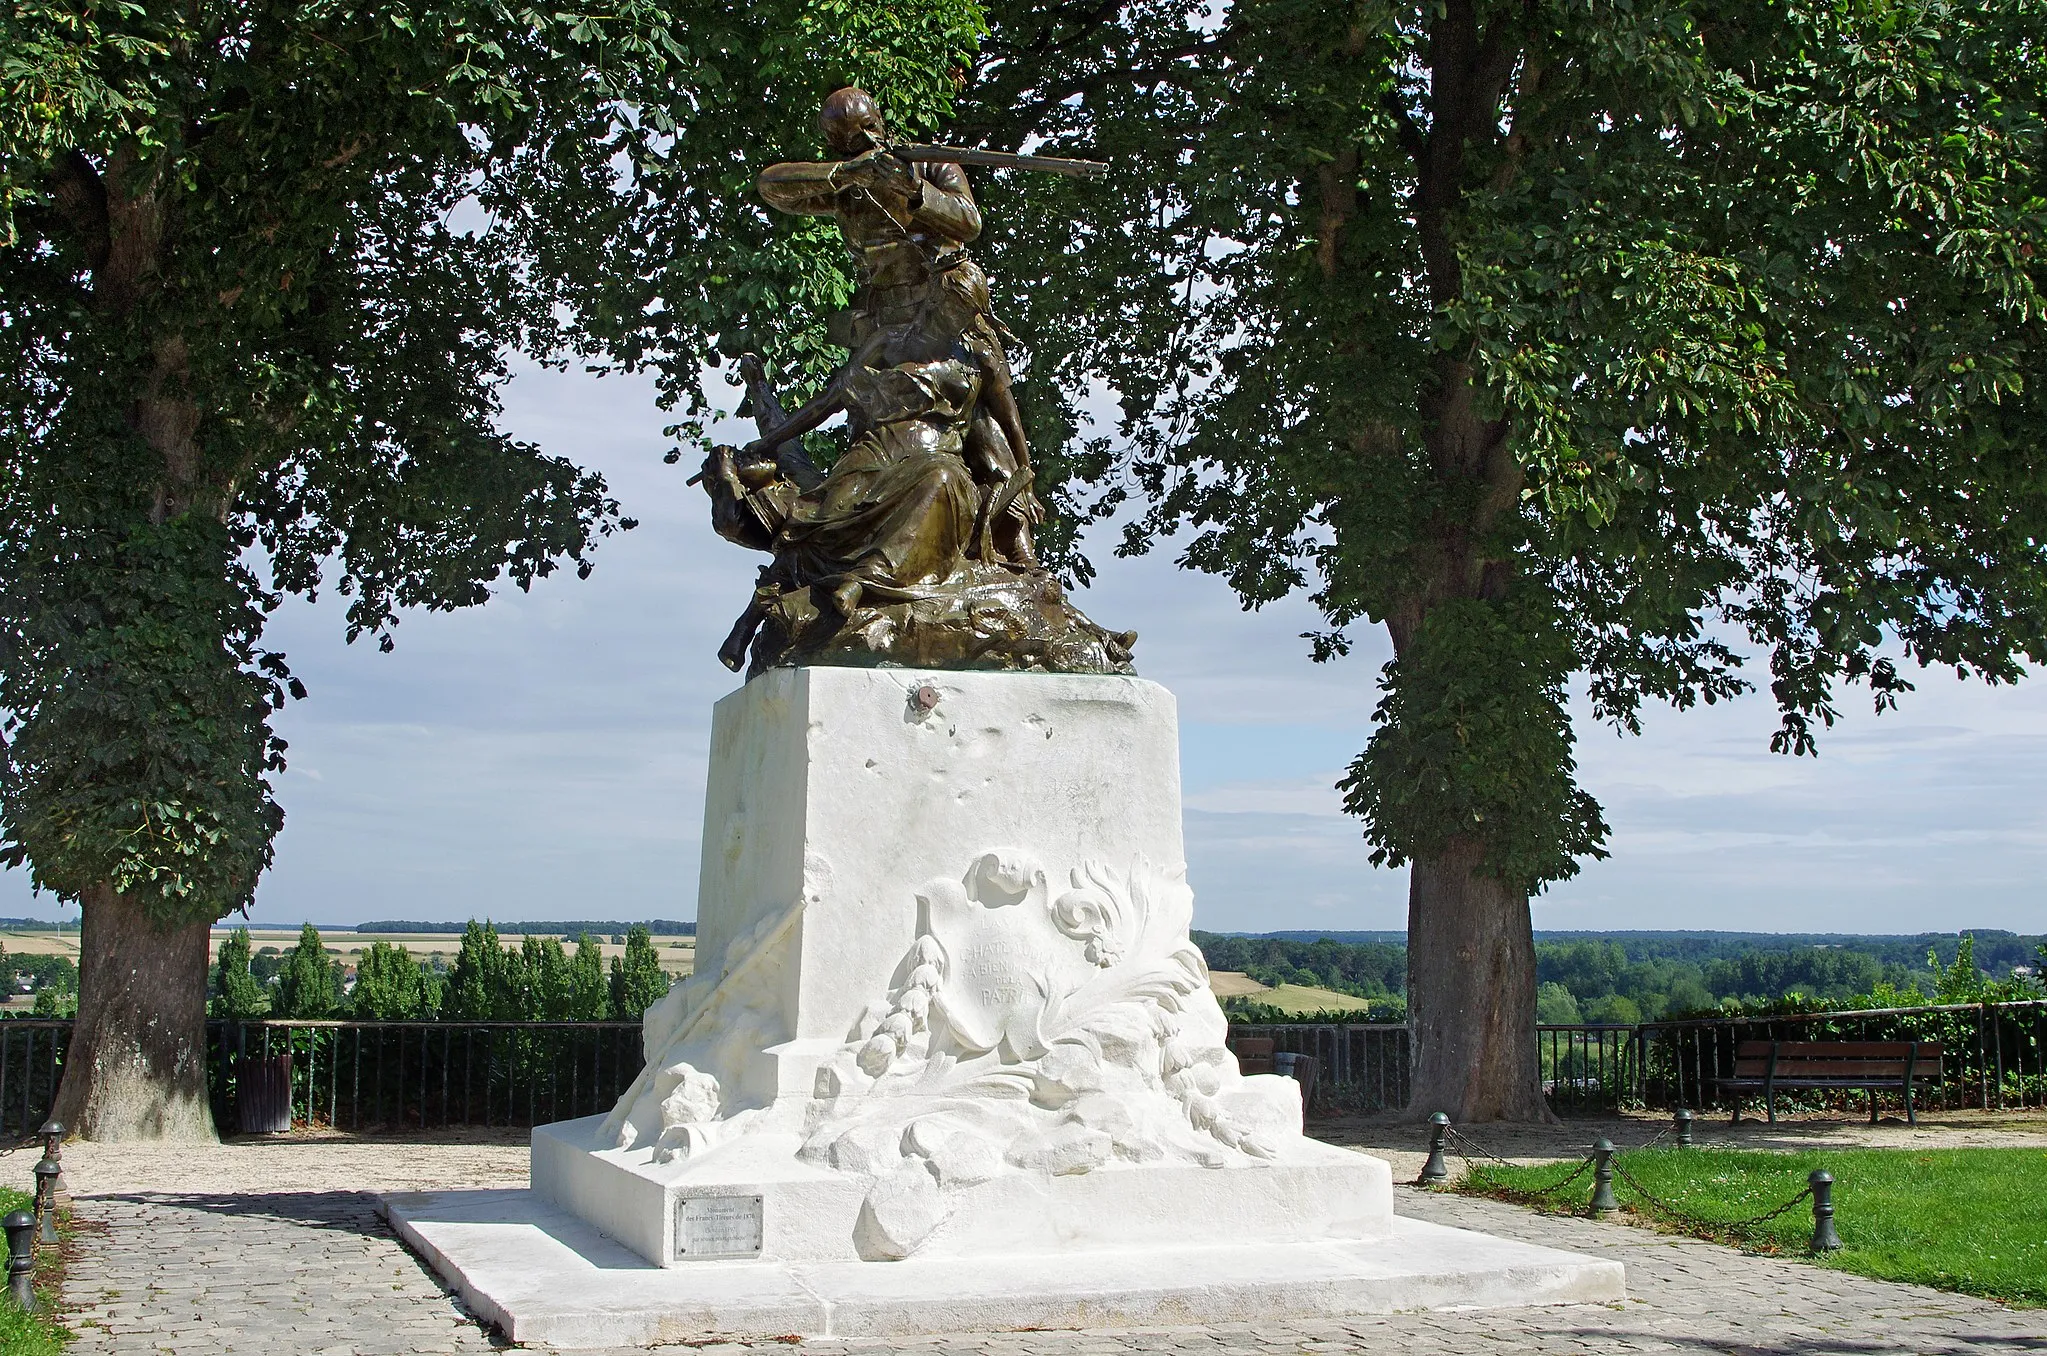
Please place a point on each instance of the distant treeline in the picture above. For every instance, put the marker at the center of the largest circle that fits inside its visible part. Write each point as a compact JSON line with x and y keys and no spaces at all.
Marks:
{"x":1648,"y":976}
{"x":1997,"y":951}
{"x":659,"y":927}
{"x":1368,"y":970}
{"x":52,"y":979}
{"x":540,"y":980}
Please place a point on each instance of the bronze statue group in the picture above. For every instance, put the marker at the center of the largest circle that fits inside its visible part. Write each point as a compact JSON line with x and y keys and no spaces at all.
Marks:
{"x":916,"y":547}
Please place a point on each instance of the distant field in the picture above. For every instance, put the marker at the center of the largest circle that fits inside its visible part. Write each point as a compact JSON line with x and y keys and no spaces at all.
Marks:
{"x":1297,"y":999}
{"x":41,"y":943}
{"x":1301,"y":1000}
{"x":678,"y":953}
{"x":1230,"y":984}
{"x":676,"y":959}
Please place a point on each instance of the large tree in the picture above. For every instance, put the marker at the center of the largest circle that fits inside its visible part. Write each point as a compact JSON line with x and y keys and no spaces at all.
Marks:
{"x":1622,"y":341}
{"x":263,"y":264}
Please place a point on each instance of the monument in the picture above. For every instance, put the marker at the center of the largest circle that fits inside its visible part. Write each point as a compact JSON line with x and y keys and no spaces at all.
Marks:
{"x":948,"y":1060}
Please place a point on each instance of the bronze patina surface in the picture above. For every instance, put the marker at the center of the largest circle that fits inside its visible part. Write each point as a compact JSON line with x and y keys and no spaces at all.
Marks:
{"x":915,"y":548}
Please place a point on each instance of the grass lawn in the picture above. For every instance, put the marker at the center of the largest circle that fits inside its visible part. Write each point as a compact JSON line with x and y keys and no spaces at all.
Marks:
{"x":21,"y":1335}
{"x":1973,"y":1220}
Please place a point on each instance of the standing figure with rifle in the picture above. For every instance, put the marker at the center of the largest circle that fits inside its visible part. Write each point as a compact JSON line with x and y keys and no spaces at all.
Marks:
{"x":915,"y":548}
{"x":907,"y":220}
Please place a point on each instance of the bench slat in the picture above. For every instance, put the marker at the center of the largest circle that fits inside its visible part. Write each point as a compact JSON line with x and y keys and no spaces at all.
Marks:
{"x":1837,"y":1049}
{"x":1851,"y":1068}
{"x":1885,"y":1076}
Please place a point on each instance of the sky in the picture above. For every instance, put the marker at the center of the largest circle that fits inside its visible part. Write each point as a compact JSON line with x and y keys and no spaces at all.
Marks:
{"x":544,"y":756}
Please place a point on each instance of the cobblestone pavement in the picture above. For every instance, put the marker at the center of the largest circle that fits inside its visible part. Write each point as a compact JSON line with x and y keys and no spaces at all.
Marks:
{"x":318,"y":1272}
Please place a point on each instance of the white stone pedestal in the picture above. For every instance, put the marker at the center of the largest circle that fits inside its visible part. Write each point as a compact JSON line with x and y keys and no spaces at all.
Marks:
{"x":948,"y":1060}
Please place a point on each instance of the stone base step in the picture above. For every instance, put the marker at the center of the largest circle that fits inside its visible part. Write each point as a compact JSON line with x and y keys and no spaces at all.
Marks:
{"x":545,"y":1278}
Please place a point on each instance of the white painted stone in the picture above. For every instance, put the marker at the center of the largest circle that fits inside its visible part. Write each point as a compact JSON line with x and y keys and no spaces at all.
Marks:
{"x":814,"y":1214}
{"x":833,"y":795}
{"x":946,"y":1004}
{"x":949,"y":1060}
{"x":547,"y":1279}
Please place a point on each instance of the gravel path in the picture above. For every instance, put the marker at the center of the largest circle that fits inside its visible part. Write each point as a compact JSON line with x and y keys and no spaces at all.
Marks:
{"x":277,"y":1248}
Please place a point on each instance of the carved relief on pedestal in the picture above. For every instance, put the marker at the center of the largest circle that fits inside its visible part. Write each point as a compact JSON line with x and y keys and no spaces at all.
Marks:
{"x":1031,"y":1027}
{"x":1039,"y":1028}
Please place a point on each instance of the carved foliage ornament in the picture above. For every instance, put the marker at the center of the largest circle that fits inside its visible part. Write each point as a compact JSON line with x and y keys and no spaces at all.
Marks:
{"x":1055,"y":1017}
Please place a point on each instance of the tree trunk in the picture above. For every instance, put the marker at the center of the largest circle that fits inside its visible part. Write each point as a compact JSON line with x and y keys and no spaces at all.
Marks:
{"x":1471,"y":993}
{"x":136,"y":1068}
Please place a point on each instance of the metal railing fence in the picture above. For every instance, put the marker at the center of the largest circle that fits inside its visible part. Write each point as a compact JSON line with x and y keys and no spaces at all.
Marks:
{"x":1364,"y":1066}
{"x":369,"y":1075}
{"x":31,"y":1062}
{"x":1993,"y":1055}
{"x":428,"y":1075}
{"x":1590,"y":1067}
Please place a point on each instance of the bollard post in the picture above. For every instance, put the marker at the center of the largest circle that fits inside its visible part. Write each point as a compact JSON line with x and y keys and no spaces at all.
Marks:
{"x":1824,"y":1239}
{"x":47,"y":1173}
{"x":1436,"y":1169}
{"x":53,"y":1151}
{"x":1681,"y":1121}
{"x":1603,"y":1200}
{"x":21,"y":1259}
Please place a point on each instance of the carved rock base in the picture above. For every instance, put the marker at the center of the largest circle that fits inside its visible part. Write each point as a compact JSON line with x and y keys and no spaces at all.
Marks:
{"x":983,"y":617}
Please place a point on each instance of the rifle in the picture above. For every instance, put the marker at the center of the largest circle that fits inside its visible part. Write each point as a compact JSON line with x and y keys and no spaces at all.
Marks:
{"x":961,"y":155}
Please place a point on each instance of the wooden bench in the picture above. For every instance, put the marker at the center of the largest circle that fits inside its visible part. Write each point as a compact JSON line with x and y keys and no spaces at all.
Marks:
{"x":1254,"y":1053}
{"x":1872,"y":1066}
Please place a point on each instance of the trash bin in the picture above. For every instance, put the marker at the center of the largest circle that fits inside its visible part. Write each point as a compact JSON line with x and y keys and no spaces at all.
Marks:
{"x":263,"y":1094}
{"x":1301,"y":1068}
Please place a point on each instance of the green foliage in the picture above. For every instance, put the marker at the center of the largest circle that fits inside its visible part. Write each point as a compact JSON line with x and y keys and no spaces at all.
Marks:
{"x":307,"y":986}
{"x":147,"y":643}
{"x":46,"y":973}
{"x":1473,"y":742}
{"x":637,"y":980}
{"x":236,"y":992}
{"x":589,"y":993}
{"x":262,"y":269}
{"x":1613,"y":341}
{"x":390,"y":986}
{"x":538,"y":982}
{"x":1555,"y":1005}
{"x":1637,"y":977}
{"x":56,"y":1003}
{"x":1911,"y":1215}
{"x":481,"y":982}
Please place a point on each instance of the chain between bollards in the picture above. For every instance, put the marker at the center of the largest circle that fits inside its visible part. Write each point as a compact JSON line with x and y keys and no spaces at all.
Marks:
{"x":1824,"y":1239}
{"x":1605,"y":1166}
{"x":1437,"y":1169}
{"x":21,"y":1260}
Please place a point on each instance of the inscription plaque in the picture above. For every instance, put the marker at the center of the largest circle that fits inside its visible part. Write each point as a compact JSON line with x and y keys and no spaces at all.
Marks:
{"x":717,"y":1226}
